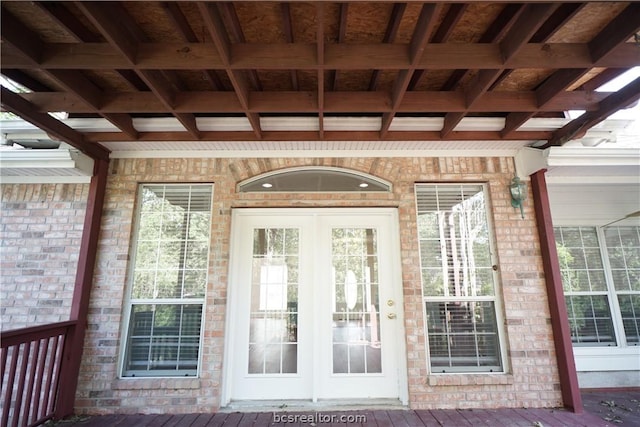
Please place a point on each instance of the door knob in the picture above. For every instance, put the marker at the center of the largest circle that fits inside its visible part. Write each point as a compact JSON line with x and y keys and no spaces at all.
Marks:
{"x":390,"y":302}
{"x":391,"y":315}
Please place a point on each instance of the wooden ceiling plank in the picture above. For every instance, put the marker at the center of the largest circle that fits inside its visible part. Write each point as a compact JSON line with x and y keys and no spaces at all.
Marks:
{"x":215,"y":26}
{"x":419,"y":40}
{"x":122,"y":121}
{"x":577,"y":127}
{"x":444,"y":31}
{"x":617,"y":31}
{"x":389,"y":36}
{"x":230,"y":16}
{"x":173,"y":11}
{"x":117,"y":27}
{"x":69,"y":21}
{"x":72,"y":80}
{"x":513,"y":121}
{"x":76,"y":83}
{"x":524,"y":27}
{"x":20,"y":37}
{"x":214,"y":23}
{"x":342,"y":31}
{"x":613,"y":35}
{"x":557,"y":83}
{"x":602,"y":78}
{"x":25,"y":80}
{"x":133,"y":80}
{"x":559,"y":18}
{"x":494,"y":33}
{"x":288,"y":33}
{"x":110,"y":23}
{"x":55,"y":128}
{"x":320,"y":58}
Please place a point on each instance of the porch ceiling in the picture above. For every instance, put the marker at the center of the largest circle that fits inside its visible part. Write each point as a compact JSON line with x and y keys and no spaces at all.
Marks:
{"x":318,"y":71}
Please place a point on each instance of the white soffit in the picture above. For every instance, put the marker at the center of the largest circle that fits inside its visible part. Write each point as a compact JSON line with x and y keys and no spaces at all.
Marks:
{"x":53,"y":165}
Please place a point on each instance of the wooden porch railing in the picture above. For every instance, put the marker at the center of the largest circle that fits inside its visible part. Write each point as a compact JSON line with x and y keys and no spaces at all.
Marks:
{"x":31,"y":362}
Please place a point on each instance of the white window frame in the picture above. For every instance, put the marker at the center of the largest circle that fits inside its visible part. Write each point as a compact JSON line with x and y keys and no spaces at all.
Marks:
{"x":496,"y":298}
{"x":129,"y":301}
{"x":619,"y":357}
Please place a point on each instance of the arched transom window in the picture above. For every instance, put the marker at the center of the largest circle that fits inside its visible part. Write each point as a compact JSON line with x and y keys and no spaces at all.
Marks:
{"x":314,"y":179}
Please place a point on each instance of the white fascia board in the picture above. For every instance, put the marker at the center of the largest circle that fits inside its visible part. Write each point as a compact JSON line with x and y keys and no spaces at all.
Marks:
{"x":221,"y":124}
{"x":593,"y":156}
{"x":352,"y":123}
{"x":43,"y":163}
{"x":417,"y":124}
{"x":481,"y":124}
{"x":158,"y":124}
{"x":290,"y":123}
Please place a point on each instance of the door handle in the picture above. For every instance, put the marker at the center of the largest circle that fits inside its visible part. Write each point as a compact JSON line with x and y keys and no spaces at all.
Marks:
{"x":391,"y":315}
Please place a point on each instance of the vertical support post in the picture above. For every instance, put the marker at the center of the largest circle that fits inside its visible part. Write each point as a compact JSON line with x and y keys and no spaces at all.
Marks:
{"x":557,"y":307}
{"x":73,"y":346}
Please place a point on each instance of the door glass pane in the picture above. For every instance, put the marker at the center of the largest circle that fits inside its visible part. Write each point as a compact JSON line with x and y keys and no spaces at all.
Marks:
{"x":273,"y":333}
{"x":356,"y":318}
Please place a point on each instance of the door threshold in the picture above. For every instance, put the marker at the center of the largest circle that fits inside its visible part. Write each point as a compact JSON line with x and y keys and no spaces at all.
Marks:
{"x":308,"y":405}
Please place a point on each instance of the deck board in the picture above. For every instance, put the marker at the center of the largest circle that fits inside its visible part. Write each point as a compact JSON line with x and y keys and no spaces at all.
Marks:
{"x":602,"y":408}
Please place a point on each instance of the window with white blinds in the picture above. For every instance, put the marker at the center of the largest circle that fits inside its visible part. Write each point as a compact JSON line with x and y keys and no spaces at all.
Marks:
{"x":168,"y":280}
{"x":601,"y":281}
{"x":457,"y":278}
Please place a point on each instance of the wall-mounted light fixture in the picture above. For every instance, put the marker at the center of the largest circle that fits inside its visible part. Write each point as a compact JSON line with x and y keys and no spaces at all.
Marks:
{"x":518,"y":194}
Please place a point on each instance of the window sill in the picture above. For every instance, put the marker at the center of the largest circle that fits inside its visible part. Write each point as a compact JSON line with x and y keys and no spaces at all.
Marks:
{"x":146,"y":383}
{"x":469,"y":379}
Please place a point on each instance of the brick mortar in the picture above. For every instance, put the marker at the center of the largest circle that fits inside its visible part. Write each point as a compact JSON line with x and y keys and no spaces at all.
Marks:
{"x":532,"y":379}
{"x":40,"y":230}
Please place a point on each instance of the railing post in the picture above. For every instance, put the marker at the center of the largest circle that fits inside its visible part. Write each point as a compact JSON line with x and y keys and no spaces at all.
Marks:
{"x":74,"y":341}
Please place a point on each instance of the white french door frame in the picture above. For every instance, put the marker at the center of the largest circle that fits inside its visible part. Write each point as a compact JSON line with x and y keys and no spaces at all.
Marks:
{"x":391,"y":252}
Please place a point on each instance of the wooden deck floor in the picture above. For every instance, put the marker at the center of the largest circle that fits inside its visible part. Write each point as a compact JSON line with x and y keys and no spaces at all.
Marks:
{"x":620,"y":408}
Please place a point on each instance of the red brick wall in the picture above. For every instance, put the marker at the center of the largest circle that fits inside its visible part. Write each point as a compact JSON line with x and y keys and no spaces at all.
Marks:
{"x":40,"y":231}
{"x":531,"y":380}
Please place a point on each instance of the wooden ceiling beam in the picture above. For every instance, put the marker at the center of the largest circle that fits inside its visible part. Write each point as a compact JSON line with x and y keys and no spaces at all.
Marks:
{"x":419,"y":40}
{"x":209,"y":102}
{"x":229,"y":15}
{"x":625,"y":97}
{"x":441,"y":35}
{"x":54,"y":128}
{"x":389,"y":36}
{"x":313,"y":136}
{"x":115,"y":25}
{"x":73,"y":81}
{"x":320,"y":57}
{"x":560,"y":17}
{"x":302,"y":56}
{"x":26,"y":80}
{"x":21,"y":38}
{"x":288,"y":33}
{"x":494,"y":33}
{"x":604,"y":77}
{"x":215,"y":25}
{"x":342,"y":31}
{"x":77,"y":29}
{"x":529,"y":21}
{"x":173,"y":11}
{"x":617,"y":31}
{"x":68,"y":21}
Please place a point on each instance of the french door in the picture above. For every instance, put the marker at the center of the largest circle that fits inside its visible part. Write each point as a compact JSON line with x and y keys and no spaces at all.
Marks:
{"x":315,"y":305}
